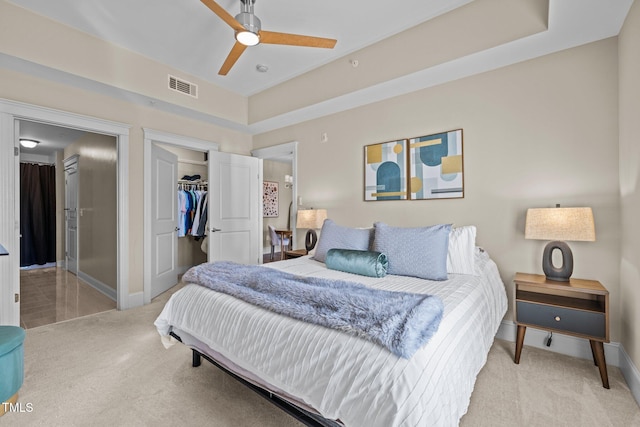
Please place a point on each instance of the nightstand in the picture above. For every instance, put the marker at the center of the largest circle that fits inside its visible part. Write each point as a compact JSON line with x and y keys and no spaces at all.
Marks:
{"x":295,"y":254}
{"x":579,"y":308}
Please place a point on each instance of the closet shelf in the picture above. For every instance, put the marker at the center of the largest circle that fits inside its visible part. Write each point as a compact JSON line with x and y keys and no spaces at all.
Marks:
{"x":193,"y":162}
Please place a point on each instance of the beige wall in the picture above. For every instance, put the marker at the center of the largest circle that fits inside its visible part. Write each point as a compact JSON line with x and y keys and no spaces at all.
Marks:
{"x":275,"y":171}
{"x":629,"y":69}
{"x":97,"y":206}
{"x":536,"y":133}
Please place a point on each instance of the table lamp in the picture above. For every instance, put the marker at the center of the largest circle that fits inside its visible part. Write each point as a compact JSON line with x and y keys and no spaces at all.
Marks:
{"x":559,"y":224}
{"x":313,"y":220}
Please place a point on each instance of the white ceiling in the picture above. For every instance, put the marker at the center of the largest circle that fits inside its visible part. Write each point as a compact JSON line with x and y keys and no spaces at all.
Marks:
{"x":52,"y":138}
{"x":187,"y":36}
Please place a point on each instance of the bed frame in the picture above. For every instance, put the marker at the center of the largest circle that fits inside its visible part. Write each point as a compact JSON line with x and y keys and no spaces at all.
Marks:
{"x":307,"y":418}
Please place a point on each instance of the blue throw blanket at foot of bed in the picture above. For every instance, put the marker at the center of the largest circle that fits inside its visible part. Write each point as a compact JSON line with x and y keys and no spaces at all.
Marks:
{"x":400,"y":321}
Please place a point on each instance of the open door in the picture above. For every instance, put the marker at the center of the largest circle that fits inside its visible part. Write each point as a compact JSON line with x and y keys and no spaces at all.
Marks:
{"x":235,"y":216}
{"x":71,"y":213}
{"x":164,"y":217}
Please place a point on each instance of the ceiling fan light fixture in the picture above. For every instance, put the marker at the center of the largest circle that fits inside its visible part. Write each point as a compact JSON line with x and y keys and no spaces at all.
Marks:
{"x":252,"y":25}
{"x":29,"y":143}
{"x":247,"y":38}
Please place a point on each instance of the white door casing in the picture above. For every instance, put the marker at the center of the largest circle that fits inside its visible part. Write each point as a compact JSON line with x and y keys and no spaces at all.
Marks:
{"x":234,"y":208}
{"x":164,"y":220}
{"x":250,"y":247}
{"x":71,"y":177}
{"x":10,"y":113}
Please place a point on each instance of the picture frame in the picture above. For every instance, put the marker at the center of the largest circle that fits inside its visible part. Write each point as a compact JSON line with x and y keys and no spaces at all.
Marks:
{"x":420,"y":168}
{"x":385,"y":171}
{"x":436,"y":166}
{"x":270,"y":202}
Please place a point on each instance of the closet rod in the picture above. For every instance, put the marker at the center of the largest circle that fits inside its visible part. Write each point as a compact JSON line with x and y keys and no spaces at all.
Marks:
{"x":186,"y":181}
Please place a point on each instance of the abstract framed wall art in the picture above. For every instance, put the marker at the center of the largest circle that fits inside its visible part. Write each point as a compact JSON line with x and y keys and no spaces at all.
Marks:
{"x":269,"y":199}
{"x":385,"y":171}
{"x":436,"y":166}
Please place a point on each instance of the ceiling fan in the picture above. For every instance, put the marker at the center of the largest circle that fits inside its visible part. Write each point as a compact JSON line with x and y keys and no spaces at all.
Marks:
{"x":249,"y":33}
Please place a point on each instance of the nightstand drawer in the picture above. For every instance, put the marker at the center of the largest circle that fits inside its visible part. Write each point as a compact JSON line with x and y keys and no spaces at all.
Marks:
{"x":562,"y":319}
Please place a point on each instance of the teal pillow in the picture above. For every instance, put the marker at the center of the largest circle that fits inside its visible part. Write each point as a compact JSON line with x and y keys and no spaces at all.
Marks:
{"x":364,"y":263}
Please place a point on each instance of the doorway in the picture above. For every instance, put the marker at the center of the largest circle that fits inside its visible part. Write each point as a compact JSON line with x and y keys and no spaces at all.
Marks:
{"x":179,"y":213}
{"x":281,"y":157}
{"x":80,"y":277}
{"x":11,"y":112}
{"x":234,"y":207}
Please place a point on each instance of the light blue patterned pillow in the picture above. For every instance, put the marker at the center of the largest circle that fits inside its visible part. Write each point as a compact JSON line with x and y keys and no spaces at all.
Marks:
{"x":416,"y":252}
{"x":333,"y":235}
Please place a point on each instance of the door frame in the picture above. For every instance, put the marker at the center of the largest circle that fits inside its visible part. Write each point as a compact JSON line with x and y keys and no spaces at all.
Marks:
{"x":156,"y":136}
{"x":10,"y":113}
{"x":287,"y":149}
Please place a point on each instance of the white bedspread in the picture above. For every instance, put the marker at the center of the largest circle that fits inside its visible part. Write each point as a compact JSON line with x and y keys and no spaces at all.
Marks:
{"x":348,"y":378}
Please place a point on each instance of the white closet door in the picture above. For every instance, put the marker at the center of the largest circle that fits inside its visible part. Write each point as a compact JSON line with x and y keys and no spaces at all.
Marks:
{"x":164,"y":214}
{"x":234,"y":208}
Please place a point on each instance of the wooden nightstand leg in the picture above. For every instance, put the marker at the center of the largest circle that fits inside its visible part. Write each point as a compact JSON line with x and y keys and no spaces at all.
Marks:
{"x":520,"y":342}
{"x":598,"y":349}
{"x":593,"y":352}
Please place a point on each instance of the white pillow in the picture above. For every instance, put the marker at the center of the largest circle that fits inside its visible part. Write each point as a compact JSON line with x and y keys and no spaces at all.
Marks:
{"x":462,"y":246}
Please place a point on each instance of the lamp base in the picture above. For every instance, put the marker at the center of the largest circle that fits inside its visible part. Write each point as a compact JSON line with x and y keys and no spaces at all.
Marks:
{"x":310,"y":240}
{"x":563,"y":273}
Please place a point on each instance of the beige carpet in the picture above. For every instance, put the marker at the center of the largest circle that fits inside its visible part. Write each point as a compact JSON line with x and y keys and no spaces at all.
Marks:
{"x":110,"y":369}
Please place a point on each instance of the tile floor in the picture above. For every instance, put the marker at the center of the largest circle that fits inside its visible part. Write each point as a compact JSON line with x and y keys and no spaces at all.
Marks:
{"x":51,"y":295}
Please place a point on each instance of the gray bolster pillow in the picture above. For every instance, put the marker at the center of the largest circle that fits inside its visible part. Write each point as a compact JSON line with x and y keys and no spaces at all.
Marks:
{"x":364,"y":263}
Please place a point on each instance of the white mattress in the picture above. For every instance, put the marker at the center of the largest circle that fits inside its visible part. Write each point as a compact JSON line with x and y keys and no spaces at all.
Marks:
{"x":348,"y":378}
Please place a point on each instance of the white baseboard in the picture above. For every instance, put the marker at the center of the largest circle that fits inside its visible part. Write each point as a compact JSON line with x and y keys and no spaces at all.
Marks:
{"x":614,"y":352}
{"x":103,"y":288}
{"x":630,"y":373}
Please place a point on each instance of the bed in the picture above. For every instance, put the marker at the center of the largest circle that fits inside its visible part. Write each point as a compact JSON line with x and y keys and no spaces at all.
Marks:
{"x":337,"y":378}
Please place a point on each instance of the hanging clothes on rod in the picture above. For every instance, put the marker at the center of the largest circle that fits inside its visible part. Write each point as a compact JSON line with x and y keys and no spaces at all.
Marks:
{"x":192,"y":197}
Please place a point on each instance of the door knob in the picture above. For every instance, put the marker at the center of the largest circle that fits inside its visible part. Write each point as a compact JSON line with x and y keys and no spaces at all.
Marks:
{"x":213,"y":229}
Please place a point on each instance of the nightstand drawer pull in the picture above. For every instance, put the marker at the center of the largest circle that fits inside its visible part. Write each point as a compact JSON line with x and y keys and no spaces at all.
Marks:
{"x":557,"y":318}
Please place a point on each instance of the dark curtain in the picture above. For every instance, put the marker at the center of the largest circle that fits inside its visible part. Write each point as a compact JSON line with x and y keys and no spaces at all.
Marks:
{"x":37,"y":214}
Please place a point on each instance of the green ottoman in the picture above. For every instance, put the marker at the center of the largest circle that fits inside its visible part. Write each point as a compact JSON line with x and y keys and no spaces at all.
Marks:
{"x":11,"y":365}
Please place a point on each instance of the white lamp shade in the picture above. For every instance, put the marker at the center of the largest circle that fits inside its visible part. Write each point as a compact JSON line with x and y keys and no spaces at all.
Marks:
{"x":563,"y":224}
{"x":311,"y":218}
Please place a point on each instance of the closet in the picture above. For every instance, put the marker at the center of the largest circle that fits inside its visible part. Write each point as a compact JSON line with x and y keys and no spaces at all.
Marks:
{"x":191,"y":196}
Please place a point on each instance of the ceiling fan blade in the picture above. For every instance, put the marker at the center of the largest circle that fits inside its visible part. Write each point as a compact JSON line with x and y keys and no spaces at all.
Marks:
{"x":223,"y":14}
{"x":233,"y":56}
{"x":270,"y":37}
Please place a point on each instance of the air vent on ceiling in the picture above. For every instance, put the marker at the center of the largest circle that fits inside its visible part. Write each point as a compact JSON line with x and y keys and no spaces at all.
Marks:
{"x":183,"y":86}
